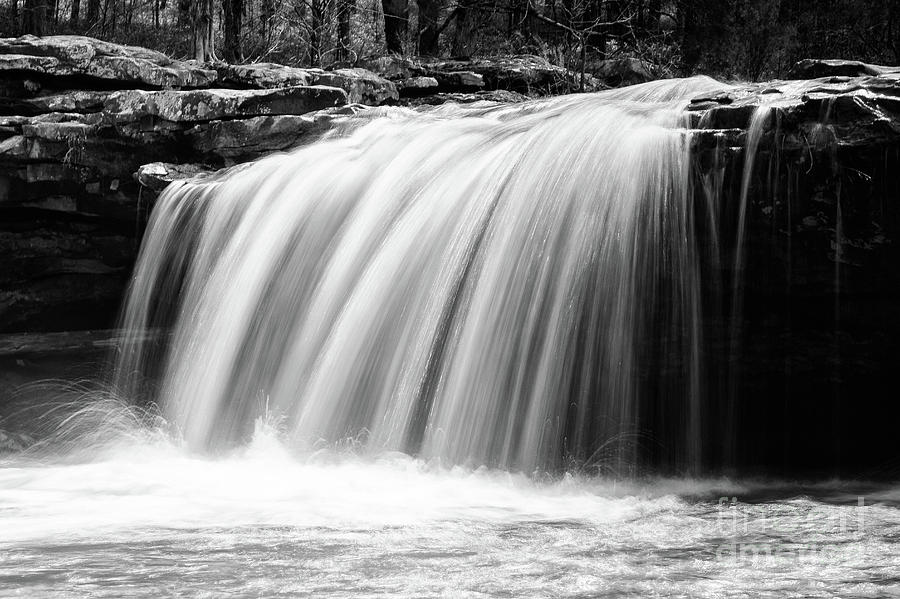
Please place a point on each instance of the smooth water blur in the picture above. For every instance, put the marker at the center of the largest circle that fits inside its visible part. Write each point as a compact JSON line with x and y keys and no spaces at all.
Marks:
{"x":485,"y":285}
{"x":143,"y":517}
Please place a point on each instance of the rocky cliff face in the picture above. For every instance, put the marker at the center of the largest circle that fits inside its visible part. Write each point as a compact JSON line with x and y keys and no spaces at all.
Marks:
{"x":810,"y":343}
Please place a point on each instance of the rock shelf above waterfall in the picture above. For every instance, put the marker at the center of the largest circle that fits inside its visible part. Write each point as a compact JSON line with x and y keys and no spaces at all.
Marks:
{"x":79,"y":117}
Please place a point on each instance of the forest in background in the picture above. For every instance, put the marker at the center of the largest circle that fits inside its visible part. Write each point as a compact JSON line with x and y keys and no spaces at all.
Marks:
{"x":733,"y":39}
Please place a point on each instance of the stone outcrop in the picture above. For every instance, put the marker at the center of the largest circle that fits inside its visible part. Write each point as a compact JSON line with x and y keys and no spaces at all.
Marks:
{"x":621,"y":71}
{"x":362,"y":86}
{"x":528,"y":75}
{"x":816,"y":68}
{"x":79,"y":117}
{"x":832,"y":131}
{"x":90,"y":132}
{"x":46,"y":61}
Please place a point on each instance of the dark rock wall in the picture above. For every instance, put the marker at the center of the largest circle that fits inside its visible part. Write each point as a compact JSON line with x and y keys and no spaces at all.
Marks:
{"x":803,"y":352}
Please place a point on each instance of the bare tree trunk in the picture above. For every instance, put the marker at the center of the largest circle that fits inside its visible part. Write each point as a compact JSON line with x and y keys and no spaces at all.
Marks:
{"x":34,"y":17}
{"x":76,"y":9}
{"x":14,"y":17}
{"x":202,"y":22}
{"x":654,"y":15}
{"x":429,"y":13}
{"x":266,"y":17}
{"x":345,"y":12}
{"x":232,"y":15}
{"x":93,"y":12}
{"x":690,"y":44}
{"x":317,"y":20}
{"x":396,"y":18}
{"x":461,"y":45}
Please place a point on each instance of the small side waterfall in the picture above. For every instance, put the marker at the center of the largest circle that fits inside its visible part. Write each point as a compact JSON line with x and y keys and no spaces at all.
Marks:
{"x":483,"y":286}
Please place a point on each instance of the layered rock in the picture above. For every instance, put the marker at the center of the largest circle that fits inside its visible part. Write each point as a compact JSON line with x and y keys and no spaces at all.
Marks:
{"x":78,"y":117}
{"x":810,"y":341}
{"x":527,"y":75}
{"x":46,"y":61}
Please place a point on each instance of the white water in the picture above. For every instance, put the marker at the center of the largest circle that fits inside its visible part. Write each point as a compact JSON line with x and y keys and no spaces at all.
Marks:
{"x":143,"y":517}
{"x":476,"y":285}
{"x":470,"y":286}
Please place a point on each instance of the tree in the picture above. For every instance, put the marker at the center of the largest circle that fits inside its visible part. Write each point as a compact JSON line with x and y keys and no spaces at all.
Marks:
{"x":344,"y":17}
{"x":93,"y":12}
{"x":232,"y":17}
{"x":76,"y":9}
{"x":429,"y":13}
{"x":396,"y":18}
{"x":34,"y":16}
{"x":461,"y":45}
{"x":202,"y":25}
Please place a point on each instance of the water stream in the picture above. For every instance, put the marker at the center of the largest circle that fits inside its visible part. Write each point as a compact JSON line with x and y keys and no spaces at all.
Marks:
{"x":421,"y":358}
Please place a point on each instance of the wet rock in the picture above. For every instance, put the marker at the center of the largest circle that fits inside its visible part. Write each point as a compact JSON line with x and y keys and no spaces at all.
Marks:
{"x":499,"y":96}
{"x":158,"y":175}
{"x":228,"y":141}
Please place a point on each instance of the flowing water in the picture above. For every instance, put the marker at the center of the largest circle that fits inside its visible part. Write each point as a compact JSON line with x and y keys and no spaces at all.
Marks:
{"x":145,"y":517}
{"x":419,"y":358}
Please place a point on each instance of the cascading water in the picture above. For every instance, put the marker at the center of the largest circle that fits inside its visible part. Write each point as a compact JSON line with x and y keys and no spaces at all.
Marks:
{"x":525,"y":287}
{"x":475,"y":286}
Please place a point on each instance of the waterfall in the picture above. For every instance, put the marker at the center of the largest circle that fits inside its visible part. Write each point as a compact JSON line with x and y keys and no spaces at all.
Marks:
{"x":481,"y":286}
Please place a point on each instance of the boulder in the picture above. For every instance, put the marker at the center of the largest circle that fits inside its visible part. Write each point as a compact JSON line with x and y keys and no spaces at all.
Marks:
{"x":414,"y":85}
{"x":158,"y":175}
{"x":531,"y":75}
{"x":211,"y":104}
{"x":499,"y":96}
{"x":362,"y":86}
{"x":61,"y":56}
{"x":525,"y":74}
{"x":622,"y":71}
{"x":228,"y":141}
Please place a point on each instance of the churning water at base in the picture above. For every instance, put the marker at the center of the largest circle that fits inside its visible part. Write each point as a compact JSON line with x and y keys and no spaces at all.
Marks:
{"x":143,"y":517}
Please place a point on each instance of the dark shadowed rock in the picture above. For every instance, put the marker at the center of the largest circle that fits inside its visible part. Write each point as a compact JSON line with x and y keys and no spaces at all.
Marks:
{"x":816,"y":68}
{"x":621,"y":71}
